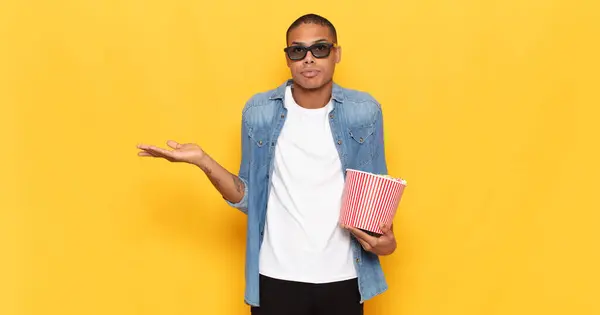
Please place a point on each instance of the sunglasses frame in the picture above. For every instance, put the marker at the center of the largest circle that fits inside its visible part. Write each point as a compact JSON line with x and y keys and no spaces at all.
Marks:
{"x":310,"y":48}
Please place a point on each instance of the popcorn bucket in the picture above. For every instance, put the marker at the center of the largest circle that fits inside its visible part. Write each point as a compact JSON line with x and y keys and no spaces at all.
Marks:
{"x":370,"y":199}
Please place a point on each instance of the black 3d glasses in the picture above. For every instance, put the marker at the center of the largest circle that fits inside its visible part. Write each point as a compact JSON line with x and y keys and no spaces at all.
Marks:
{"x":318,"y":50}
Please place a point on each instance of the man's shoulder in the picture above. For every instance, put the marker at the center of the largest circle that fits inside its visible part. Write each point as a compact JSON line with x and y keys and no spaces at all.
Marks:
{"x":359,"y":105}
{"x":358,"y":96}
{"x":261,"y":107}
{"x":260,"y":98}
{"x":264,"y":97}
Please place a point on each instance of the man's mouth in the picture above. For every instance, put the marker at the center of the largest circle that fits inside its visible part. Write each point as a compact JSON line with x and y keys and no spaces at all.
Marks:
{"x":310,"y":73}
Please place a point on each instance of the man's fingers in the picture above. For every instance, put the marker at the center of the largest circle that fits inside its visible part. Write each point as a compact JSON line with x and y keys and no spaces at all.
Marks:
{"x":360,"y":235}
{"x":170,"y":143}
{"x":160,"y":151}
{"x":364,"y":244}
{"x":387,"y":230}
{"x":149,"y":150}
{"x":153,"y":151}
{"x":173,"y":144}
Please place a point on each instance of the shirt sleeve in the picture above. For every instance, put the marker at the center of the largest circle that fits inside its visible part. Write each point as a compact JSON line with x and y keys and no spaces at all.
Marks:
{"x":243,"y":173}
{"x":380,"y":160}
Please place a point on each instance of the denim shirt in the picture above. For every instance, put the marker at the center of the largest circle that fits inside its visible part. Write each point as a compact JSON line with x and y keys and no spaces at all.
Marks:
{"x":357,"y":132}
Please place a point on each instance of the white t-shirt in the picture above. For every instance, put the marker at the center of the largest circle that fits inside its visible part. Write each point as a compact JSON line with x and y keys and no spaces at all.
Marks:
{"x":302,"y":238}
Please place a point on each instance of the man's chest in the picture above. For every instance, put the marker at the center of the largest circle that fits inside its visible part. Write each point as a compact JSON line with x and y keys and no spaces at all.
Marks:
{"x":308,"y":136}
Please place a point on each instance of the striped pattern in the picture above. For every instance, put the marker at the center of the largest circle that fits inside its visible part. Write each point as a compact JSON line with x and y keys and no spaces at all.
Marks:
{"x":369,"y":200}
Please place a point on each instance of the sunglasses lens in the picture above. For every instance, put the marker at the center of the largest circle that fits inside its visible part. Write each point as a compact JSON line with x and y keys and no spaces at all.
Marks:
{"x":320,"y":50}
{"x":296,"y":52}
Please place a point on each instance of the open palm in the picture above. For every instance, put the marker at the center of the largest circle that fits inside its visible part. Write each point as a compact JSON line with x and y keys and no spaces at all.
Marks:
{"x":187,"y":152}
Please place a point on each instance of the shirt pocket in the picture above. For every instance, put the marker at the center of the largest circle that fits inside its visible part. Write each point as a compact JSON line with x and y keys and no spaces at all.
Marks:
{"x":260,"y":140}
{"x":362,"y":144}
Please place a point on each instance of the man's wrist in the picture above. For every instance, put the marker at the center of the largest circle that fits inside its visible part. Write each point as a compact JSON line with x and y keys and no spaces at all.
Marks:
{"x":203,"y":162}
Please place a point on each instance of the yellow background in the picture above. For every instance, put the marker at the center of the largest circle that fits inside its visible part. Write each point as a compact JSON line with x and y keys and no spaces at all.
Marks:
{"x":491,"y":114}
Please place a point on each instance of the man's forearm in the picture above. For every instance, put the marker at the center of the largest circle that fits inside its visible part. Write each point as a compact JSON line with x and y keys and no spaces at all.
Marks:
{"x":229,"y":185}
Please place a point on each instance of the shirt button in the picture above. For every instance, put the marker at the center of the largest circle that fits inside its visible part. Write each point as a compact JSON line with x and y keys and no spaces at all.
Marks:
{"x":282,"y":116}
{"x":331,"y":116}
{"x":260,"y":142}
{"x":357,"y":260}
{"x":361,"y":140}
{"x":339,"y":142}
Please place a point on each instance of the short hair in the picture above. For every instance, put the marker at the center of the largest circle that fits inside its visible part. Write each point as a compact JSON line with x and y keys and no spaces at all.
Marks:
{"x":312,"y":18}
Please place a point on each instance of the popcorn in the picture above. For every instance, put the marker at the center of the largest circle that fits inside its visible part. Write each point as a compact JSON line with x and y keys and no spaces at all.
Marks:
{"x":393,"y":178}
{"x":370,"y":199}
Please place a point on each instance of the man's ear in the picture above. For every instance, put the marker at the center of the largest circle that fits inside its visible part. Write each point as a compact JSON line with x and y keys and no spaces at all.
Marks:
{"x":338,"y":54}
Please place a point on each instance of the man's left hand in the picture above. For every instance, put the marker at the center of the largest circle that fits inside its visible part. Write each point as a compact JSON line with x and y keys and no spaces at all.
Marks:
{"x":382,"y":245}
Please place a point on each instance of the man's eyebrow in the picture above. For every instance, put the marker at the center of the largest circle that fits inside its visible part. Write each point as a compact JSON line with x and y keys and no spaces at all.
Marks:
{"x":302,"y":43}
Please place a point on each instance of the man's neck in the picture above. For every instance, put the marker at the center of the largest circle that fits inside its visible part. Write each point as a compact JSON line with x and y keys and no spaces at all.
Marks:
{"x":312,"y":99}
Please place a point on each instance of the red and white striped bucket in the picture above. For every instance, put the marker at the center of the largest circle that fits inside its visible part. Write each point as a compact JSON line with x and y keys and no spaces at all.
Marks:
{"x":370,"y":199}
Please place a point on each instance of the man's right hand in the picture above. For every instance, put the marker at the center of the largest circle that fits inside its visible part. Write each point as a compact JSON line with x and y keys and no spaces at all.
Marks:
{"x":187,"y":152}
{"x":229,"y":185}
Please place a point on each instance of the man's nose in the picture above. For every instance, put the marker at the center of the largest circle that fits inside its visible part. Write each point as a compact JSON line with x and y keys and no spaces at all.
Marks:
{"x":309,"y":58}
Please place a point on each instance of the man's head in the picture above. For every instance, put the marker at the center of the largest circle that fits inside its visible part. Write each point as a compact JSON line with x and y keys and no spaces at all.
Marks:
{"x":312,"y":68}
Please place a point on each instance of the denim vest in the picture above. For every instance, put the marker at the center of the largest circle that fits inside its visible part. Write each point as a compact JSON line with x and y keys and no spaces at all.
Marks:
{"x":357,"y":131}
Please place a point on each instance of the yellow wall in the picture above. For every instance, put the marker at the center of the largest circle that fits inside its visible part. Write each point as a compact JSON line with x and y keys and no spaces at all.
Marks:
{"x":491,"y":114}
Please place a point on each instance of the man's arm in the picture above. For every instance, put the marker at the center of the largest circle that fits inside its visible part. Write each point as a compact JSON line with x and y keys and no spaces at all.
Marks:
{"x":229,"y":185}
{"x":234,"y":189}
{"x":243,"y":173}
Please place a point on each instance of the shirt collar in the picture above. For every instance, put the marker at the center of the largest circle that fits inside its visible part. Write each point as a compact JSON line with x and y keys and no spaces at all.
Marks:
{"x":337,"y":92}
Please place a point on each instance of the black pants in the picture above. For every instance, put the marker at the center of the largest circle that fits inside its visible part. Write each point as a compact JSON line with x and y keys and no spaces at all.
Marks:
{"x":279,"y":297}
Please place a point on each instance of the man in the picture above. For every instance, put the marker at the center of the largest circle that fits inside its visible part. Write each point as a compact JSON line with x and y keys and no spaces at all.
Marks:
{"x":297,"y":141}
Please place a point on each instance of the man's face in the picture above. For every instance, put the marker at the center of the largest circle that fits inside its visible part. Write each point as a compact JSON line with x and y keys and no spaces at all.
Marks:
{"x":312,"y":72}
